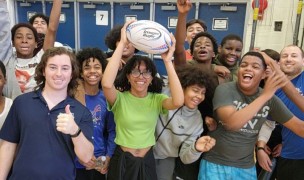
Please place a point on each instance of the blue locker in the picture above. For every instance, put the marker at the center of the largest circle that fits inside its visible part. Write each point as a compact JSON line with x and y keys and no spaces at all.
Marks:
{"x":66,"y":30}
{"x":123,"y":9}
{"x":23,"y":11}
{"x":161,"y":16}
{"x":92,"y":35}
{"x":236,"y":19}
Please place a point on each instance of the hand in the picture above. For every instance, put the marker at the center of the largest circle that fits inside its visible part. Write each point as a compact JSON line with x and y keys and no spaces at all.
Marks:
{"x":65,"y":122}
{"x":277,"y":150}
{"x":204,"y":143}
{"x":264,"y":160}
{"x":89,"y":165}
{"x":273,"y":65}
{"x":183,"y":6}
{"x":274,"y":82}
{"x":104,"y":170}
{"x":267,"y":150}
{"x":222,"y":71}
{"x":167,"y":56}
{"x":123,"y":31}
{"x":211,"y":123}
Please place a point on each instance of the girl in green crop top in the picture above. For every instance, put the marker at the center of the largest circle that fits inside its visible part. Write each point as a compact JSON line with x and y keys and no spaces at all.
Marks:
{"x":136,"y":103}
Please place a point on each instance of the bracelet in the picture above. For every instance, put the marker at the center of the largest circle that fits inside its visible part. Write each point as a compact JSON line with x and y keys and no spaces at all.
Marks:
{"x":260,"y":148}
{"x":77,"y":133}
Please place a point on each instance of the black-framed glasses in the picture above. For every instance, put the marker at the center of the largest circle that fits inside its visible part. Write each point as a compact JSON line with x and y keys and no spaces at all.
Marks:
{"x":136,"y":73}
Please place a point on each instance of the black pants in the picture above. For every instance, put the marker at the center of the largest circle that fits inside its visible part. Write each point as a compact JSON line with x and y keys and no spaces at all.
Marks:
{"x":290,"y":169}
{"x":187,"y":171}
{"x":124,"y":166}
{"x":83,"y":174}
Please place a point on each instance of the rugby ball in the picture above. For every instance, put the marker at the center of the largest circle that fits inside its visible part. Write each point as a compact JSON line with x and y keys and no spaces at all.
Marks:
{"x":148,"y":36}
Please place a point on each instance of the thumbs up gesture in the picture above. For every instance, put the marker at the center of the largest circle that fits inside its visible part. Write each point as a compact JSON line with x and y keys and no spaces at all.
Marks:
{"x":65,"y":122}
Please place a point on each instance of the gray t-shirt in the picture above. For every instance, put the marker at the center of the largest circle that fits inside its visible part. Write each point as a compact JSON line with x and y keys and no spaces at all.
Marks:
{"x":235,"y":148}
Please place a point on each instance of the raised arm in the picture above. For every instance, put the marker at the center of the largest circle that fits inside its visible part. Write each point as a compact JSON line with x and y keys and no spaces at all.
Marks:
{"x":50,"y":36}
{"x":113,"y":66}
{"x":177,"y":93}
{"x":234,"y":119}
{"x":5,"y":31}
{"x":289,"y":89}
{"x":7,"y":153}
{"x":183,"y":7}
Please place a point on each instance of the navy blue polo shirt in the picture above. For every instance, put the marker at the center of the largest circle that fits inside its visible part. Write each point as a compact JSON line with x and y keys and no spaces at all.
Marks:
{"x":43,"y":152}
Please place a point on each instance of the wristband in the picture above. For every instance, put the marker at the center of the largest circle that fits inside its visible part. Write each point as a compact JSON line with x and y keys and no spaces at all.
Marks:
{"x":260,"y":148}
{"x":77,"y":133}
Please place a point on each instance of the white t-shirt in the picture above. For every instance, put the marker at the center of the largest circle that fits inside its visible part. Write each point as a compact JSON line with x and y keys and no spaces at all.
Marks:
{"x":25,"y":71}
{"x":7,"y":105}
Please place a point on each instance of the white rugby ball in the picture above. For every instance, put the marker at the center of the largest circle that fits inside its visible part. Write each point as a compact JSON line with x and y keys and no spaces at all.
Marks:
{"x":148,"y":36}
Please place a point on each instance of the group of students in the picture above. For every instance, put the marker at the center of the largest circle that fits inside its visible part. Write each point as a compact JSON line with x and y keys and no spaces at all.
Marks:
{"x":69,"y":110}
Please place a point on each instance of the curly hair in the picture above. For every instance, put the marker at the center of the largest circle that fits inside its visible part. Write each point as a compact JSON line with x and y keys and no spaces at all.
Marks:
{"x":40,"y":15}
{"x":122,"y":82}
{"x":200,"y":22}
{"x":26,"y":25}
{"x":85,"y":54}
{"x":113,"y":37}
{"x":207,"y":35}
{"x":40,"y":69}
{"x":190,"y":75}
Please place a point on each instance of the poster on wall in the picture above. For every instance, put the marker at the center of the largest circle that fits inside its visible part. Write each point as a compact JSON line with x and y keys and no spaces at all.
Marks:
{"x":130,"y":17}
{"x":220,"y":24}
{"x":172,"y":22}
{"x":30,"y":14}
{"x":62,"y":18}
{"x":102,"y":18}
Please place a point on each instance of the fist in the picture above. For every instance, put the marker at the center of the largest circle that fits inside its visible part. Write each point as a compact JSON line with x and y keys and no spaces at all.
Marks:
{"x":204,"y":143}
{"x":65,"y":122}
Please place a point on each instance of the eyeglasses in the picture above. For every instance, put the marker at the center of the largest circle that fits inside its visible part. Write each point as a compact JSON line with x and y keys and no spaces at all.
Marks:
{"x":136,"y":73}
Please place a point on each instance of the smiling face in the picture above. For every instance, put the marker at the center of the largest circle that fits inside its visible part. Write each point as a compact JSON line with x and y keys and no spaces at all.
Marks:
{"x":24,"y":42}
{"x":291,"y":61}
{"x":251,"y":72}
{"x":58,"y":73}
{"x":203,"y":50}
{"x":230,"y":52}
{"x":140,"y":84}
{"x":193,"y":96}
{"x":192,"y":30}
{"x":91,"y":72}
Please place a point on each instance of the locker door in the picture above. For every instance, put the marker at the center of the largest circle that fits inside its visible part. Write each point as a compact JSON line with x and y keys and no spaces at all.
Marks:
{"x":24,"y":9}
{"x":130,"y":10}
{"x":216,"y":19}
{"x":66,"y":29}
{"x":162,"y":14}
{"x":91,"y":34}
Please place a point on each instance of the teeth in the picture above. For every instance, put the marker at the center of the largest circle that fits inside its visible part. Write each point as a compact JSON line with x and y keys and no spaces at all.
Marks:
{"x":231,"y":59}
{"x":140,"y":82}
{"x":247,"y":75}
{"x":92,"y":77}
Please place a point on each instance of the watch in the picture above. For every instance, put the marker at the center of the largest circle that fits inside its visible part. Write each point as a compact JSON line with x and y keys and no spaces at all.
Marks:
{"x":77,"y":133}
{"x":260,"y":148}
